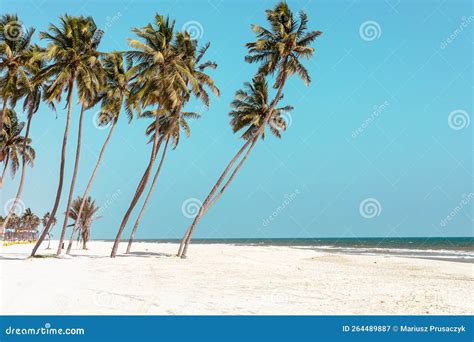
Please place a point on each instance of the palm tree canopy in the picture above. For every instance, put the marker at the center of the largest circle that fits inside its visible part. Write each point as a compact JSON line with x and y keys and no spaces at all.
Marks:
{"x":116,"y":89}
{"x":72,"y":50}
{"x":11,"y":143}
{"x":250,"y":108}
{"x":15,"y":54}
{"x":281,"y":47}
{"x":89,"y":211}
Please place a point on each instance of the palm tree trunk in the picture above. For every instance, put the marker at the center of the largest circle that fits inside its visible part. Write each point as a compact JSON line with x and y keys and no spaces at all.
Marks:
{"x":73,"y":182}
{"x":23,"y":171}
{"x":3,"y":114}
{"x":4,"y":170}
{"x":61,"y":172}
{"x":209,"y":197}
{"x":211,"y":201}
{"x":141,"y":187}
{"x":89,"y":185}
{"x":137,"y":222}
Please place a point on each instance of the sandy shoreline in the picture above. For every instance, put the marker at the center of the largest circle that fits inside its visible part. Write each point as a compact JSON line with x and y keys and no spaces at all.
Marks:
{"x":229,"y":279}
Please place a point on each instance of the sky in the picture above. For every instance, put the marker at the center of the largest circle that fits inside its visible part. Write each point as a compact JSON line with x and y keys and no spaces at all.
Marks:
{"x":379,"y":144}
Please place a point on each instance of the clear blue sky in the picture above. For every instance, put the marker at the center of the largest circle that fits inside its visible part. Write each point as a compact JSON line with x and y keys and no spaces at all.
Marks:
{"x":406,"y":156}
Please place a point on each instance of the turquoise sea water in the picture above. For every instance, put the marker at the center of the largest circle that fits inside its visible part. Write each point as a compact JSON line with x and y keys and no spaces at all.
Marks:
{"x":459,"y":249}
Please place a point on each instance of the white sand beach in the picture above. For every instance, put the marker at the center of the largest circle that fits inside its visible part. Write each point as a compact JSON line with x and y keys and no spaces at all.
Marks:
{"x":226,"y":279}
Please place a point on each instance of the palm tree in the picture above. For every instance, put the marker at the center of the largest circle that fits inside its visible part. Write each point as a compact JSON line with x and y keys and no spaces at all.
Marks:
{"x":31,"y":105}
{"x":72,"y":51}
{"x":172,"y":123}
{"x":14,"y":146}
{"x":44,"y":222}
{"x":162,"y":76}
{"x":85,"y":219}
{"x":114,"y":95}
{"x":279,"y":50}
{"x":30,"y":223}
{"x":14,"y":56}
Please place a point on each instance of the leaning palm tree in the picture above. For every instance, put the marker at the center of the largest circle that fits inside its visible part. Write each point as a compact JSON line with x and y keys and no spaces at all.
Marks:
{"x":74,"y":61}
{"x":172,"y":123}
{"x":85,"y":219}
{"x":279,"y":50}
{"x":31,"y":104}
{"x":14,"y":146}
{"x":162,"y":76}
{"x":113,"y":97}
{"x":15,"y":46}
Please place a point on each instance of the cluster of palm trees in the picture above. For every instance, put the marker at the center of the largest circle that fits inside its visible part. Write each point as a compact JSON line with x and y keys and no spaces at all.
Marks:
{"x":163,"y":70}
{"x":23,"y":227}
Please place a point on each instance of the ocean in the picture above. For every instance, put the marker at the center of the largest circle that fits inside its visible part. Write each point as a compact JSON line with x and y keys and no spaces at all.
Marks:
{"x":459,"y":249}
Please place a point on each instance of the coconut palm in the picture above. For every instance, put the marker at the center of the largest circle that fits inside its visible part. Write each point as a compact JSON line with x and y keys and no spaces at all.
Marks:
{"x":14,"y":146}
{"x":72,"y":50}
{"x":172,"y":123}
{"x":32,"y":95}
{"x":85,"y":219}
{"x":279,"y":50}
{"x":44,"y":221}
{"x":15,"y":46}
{"x":113,"y":97}
{"x":162,"y":77}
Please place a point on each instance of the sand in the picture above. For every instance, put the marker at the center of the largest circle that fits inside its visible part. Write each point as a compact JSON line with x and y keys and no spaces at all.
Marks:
{"x":220,"y":279}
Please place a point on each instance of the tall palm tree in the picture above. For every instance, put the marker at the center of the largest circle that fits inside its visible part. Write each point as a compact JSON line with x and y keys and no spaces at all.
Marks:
{"x":172,"y":123}
{"x":74,"y":61}
{"x":113,"y":97}
{"x":279,"y":50}
{"x":85,"y":219}
{"x":15,"y":46}
{"x":31,"y":104}
{"x":44,"y":221}
{"x":162,"y":76}
{"x":14,"y":146}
